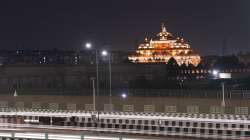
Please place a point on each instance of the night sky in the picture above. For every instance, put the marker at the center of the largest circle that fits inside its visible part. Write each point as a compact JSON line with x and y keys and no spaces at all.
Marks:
{"x":119,"y":24}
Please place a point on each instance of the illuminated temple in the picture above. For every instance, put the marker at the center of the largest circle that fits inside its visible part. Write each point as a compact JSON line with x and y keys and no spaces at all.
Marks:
{"x":163,"y":47}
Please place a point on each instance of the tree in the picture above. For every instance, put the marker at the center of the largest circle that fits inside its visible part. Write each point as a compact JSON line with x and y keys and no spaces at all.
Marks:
{"x":172,"y":68}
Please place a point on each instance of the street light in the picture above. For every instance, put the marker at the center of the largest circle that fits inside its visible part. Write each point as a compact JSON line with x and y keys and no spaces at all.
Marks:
{"x":89,"y":46}
{"x":216,"y":75}
{"x":124,"y":95}
{"x":105,"y":53}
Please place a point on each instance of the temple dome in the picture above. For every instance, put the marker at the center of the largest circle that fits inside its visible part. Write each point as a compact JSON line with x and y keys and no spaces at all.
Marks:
{"x":163,"y":47}
{"x":164,"y":34}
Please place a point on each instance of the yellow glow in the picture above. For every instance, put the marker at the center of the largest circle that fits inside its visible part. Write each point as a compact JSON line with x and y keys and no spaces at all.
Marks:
{"x":161,"y":50}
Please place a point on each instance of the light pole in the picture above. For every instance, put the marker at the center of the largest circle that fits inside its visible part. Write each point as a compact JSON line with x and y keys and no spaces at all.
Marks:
{"x":105,"y":53}
{"x":217,"y":75}
{"x":223,"y":94}
{"x":97,"y":71}
{"x":89,"y":46}
{"x":15,"y":95}
{"x":181,"y":86}
{"x":93,"y":84}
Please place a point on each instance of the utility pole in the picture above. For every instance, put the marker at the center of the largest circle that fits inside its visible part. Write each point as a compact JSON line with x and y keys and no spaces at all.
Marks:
{"x":223,"y":94}
{"x":110,"y":83}
{"x":93,"y":83}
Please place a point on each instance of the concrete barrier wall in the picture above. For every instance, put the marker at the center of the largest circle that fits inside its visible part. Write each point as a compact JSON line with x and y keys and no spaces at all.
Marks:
{"x":133,"y":103}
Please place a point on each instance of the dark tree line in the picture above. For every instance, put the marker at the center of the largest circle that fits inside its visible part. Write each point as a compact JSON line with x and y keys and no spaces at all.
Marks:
{"x":168,"y":79}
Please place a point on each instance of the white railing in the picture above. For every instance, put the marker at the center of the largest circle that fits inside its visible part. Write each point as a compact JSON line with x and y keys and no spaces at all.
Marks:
{"x":54,"y":136}
{"x":7,"y":128}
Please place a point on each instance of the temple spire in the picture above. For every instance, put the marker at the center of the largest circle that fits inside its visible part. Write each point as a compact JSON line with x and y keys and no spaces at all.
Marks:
{"x":163,"y":28}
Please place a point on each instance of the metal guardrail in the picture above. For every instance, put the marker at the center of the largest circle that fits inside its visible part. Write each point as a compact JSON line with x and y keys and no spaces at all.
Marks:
{"x":35,"y":134}
{"x":58,"y":136}
{"x":53,"y":136}
{"x":175,"y":116}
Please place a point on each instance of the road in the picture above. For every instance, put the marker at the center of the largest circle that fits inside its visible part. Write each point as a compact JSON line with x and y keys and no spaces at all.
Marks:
{"x":73,"y":133}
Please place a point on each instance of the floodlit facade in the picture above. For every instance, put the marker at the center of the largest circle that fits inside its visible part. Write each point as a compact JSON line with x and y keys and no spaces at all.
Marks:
{"x":163,"y":47}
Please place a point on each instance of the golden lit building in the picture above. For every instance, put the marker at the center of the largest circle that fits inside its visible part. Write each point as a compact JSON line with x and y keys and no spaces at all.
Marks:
{"x":163,"y":47}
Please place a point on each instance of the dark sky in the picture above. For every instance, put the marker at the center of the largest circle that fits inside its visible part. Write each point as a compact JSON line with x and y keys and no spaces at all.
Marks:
{"x":66,"y":24}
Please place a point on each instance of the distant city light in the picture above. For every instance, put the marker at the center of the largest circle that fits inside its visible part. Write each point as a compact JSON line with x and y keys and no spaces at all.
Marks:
{"x":88,"y":45}
{"x":104,"y":53}
{"x":76,"y":59}
{"x":225,"y":75}
{"x":44,"y":59}
{"x":215,"y":72}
